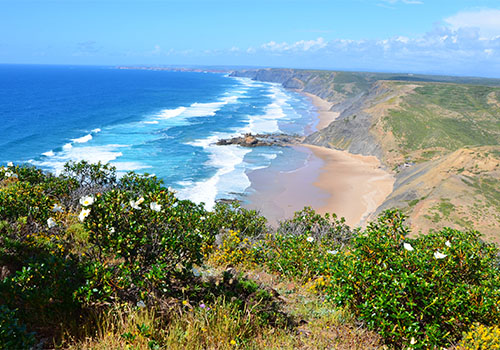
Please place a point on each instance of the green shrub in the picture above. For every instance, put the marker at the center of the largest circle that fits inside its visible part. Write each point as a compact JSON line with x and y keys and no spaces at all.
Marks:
{"x":420,"y":293}
{"x":304,"y":245}
{"x":12,"y":334}
{"x":22,"y":199}
{"x":138,"y":183}
{"x":233,"y":217}
{"x":142,"y":243}
{"x":232,"y":250}
{"x":480,"y":337}
{"x":40,"y":279}
{"x":321,"y":227}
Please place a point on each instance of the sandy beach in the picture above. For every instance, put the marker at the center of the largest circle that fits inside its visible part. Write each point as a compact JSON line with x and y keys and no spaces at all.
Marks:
{"x":356,"y":184}
{"x":325,"y":116}
{"x":352,"y":186}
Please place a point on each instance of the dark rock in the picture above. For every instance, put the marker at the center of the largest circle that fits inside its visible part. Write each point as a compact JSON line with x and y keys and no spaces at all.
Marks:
{"x":259,"y":140}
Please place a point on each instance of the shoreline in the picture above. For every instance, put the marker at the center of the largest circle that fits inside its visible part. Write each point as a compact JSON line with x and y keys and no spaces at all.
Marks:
{"x":325,"y":115}
{"x":331,"y":181}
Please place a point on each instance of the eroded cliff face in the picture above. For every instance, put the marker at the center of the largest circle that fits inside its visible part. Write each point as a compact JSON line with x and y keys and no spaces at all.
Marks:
{"x":440,"y":136}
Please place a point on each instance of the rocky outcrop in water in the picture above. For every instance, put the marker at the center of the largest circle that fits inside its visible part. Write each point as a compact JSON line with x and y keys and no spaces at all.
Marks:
{"x":259,"y":140}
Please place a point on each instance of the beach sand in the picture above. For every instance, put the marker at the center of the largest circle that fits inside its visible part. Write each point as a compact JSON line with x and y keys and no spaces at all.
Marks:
{"x":352,"y":186}
{"x":356,"y":184}
{"x":277,"y":195}
{"x":325,"y":116}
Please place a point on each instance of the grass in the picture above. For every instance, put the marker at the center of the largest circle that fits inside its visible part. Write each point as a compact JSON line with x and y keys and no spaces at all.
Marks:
{"x":445,"y":116}
{"x":486,"y":186}
{"x":222,"y":325}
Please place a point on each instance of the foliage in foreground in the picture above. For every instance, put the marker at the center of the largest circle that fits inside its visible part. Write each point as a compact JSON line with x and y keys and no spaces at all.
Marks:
{"x":77,"y":247}
{"x":480,"y":337}
{"x":416,"y":293}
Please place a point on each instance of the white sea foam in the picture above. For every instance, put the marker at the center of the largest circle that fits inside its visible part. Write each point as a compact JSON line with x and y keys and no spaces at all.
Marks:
{"x":151,"y":122}
{"x":83,"y":139}
{"x":227,"y":160}
{"x":96,"y":130}
{"x":92,"y":154}
{"x":270,"y":156}
{"x":274,"y":112}
{"x":198,"y":109}
{"x":48,"y":153}
{"x":171,"y":113}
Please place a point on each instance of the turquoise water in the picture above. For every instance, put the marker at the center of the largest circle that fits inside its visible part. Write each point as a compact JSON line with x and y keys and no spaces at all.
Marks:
{"x":160,"y":122}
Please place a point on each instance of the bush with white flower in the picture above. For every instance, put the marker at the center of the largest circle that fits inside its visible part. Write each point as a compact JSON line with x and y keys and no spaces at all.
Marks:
{"x":154,"y":239}
{"x":417,"y":293}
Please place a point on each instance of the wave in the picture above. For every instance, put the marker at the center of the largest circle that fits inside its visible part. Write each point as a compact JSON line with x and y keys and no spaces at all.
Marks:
{"x":83,"y":139}
{"x":170,"y":113}
{"x":48,"y":153}
{"x":91,"y":154}
{"x":228,"y":160}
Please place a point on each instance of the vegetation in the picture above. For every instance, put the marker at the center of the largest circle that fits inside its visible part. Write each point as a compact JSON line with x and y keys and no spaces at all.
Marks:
{"x":439,"y":118}
{"x":90,"y":261}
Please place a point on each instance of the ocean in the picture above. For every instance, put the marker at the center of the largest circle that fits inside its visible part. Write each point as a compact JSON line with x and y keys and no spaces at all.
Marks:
{"x":157,"y":122}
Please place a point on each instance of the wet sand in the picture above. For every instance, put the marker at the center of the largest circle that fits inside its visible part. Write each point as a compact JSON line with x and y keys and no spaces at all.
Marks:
{"x":277,"y":195}
{"x":325,"y":116}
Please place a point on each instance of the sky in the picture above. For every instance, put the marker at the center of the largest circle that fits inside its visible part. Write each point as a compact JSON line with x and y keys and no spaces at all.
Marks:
{"x":453,"y":37}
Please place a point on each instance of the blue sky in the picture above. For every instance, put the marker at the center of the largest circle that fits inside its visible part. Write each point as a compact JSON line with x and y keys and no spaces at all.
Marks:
{"x":422,"y":36}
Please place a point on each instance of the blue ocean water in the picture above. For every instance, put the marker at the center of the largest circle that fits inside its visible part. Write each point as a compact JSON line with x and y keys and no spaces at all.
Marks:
{"x":159,"y":122}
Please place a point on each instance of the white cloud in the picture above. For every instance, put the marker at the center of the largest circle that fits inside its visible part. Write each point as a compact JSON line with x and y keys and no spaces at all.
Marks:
{"x":409,"y":2}
{"x":302,"y":45}
{"x":487,"y":21}
{"x":442,"y":50}
{"x":156,"y":50}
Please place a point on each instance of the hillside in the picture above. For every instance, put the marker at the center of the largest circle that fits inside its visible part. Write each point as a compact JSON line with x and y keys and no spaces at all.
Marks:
{"x":439,"y":135}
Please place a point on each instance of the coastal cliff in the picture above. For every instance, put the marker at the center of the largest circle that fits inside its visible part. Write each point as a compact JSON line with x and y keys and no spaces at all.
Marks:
{"x":439,"y":136}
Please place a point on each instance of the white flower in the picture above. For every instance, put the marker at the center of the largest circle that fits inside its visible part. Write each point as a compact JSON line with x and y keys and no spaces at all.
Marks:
{"x":155,"y":206}
{"x":448,"y":244}
{"x":83,"y":214}
{"x":439,"y":255}
{"x":135,"y":204}
{"x":413,"y":341}
{"x":141,"y":304}
{"x":86,"y":201}
{"x":202,"y":218}
{"x":51,"y":222}
{"x":8,"y":174}
{"x":310,"y":239}
{"x":57,"y":208}
{"x":10,"y":164}
{"x":112,"y":230}
{"x":408,"y":247}
{"x":333,"y":252}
